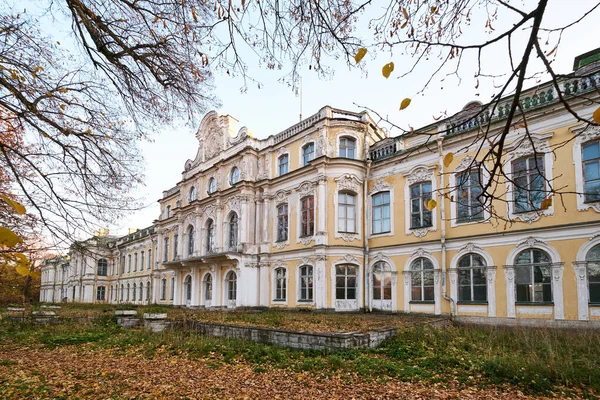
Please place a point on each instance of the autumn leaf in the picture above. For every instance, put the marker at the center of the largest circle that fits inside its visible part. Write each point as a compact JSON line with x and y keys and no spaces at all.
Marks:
{"x":387,"y":69}
{"x":546,"y":203}
{"x":448,"y":158}
{"x":405,"y":103}
{"x":596,"y":116}
{"x":8,"y":238}
{"x":20,"y":209}
{"x":430,"y":205}
{"x":360,"y":54}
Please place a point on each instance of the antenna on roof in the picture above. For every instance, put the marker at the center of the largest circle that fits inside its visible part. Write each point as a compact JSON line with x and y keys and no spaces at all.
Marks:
{"x":299,"y":93}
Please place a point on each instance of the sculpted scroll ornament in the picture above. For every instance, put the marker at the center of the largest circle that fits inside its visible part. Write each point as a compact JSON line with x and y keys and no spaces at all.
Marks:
{"x":419,"y":174}
{"x":348,"y":182}
{"x":214,"y":142}
{"x":524,"y":147}
{"x":348,"y":237}
{"x":306,"y":188}
{"x":380,"y":185}
{"x":282,"y":196}
{"x":466,"y":163}
{"x":306,"y":240}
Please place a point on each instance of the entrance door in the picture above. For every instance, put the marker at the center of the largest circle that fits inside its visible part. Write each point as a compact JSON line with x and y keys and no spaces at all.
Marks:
{"x":381,"y":294}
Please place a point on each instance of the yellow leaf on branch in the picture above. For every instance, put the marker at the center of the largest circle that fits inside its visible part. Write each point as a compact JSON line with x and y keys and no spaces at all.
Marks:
{"x":431,"y":204}
{"x":448,"y":158}
{"x":360,"y":54}
{"x":546,"y":203}
{"x":15,"y":205}
{"x":8,"y":238}
{"x":596,"y":116}
{"x":405,"y":103}
{"x":387,"y":69}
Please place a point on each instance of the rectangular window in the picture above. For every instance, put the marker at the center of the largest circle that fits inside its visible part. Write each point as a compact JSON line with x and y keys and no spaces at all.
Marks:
{"x":282,"y":223}
{"x":284,"y":162}
{"x":306,"y":283}
{"x":163,"y":289}
{"x":528,"y":182}
{"x":135,"y":260}
{"x":420,"y":194}
{"x":468,"y":202}
{"x":142,"y":261}
{"x":345,"y":282}
{"x":308,"y":153}
{"x":166,"y":253}
{"x":308,"y":216}
{"x":534,"y":283}
{"x":175,"y":245}
{"x":280,"y":284}
{"x":471,"y":284}
{"x":172,"y":289}
{"x":347,"y":147}
{"x":346,"y":212}
{"x":381,"y":213}
{"x":101,"y":293}
{"x":149,"y":258}
{"x":129,"y":263}
{"x":591,"y":171}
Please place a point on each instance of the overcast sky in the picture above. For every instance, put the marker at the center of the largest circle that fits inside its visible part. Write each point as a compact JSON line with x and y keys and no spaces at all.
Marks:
{"x":275,"y":106}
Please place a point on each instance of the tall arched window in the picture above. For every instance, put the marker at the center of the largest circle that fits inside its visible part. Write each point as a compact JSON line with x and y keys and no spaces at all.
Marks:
{"x":102,"y":267}
{"x":192,"y":195}
{"x":235,"y":176}
{"x":533,"y":276}
{"x":190,"y":237}
{"x":307,"y":209}
{"x":166,"y":254}
{"x":122,"y":290}
{"x":233,"y":231}
{"x":308,"y":153}
{"x":382,"y":281}
{"x":128,"y":290}
{"x":148,"y":291}
{"x":187,"y":286}
{"x":231,"y":280}
{"x":422,"y":280}
{"x":141,"y":297}
{"x":282,"y":223}
{"x":212,"y":185}
{"x":471,"y":278}
{"x":593,"y":274}
{"x":306,"y":283}
{"x":207,"y":287}
{"x":210,"y":236}
{"x":134,"y":293}
{"x":280,"y":284}
{"x":163,"y":289}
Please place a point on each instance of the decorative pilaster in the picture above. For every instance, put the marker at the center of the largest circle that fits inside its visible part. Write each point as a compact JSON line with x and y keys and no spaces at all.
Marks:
{"x":557,"y":290}
{"x":509,"y":273}
{"x":195,"y":286}
{"x":407,"y":281}
{"x":437,"y":295}
{"x":491,"y":290}
{"x":197,"y":237}
{"x":453,"y":273}
{"x":582,"y":290}
{"x":177,"y":289}
{"x":320,"y":284}
{"x":218,"y":240}
{"x":321,"y":236}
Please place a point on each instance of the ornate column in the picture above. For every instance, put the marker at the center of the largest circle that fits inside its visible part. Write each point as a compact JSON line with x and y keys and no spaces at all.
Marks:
{"x":453,"y":274}
{"x":321,"y":205}
{"x":177,"y":289}
{"x":198,"y":237}
{"x":509,"y":273}
{"x":437,"y":294}
{"x":320,"y":284}
{"x":407,"y":286}
{"x":265,"y":289}
{"x":491,"y":290}
{"x":259,"y":219}
{"x":195,"y":286}
{"x":580,"y":268}
{"x":217,"y":299}
{"x":557,"y":290}
{"x":244,"y":221}
{"x":219,"y":228}
{"x":267,"y":220}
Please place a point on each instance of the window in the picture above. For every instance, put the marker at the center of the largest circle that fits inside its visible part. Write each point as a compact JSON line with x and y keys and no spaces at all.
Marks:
{"x":231,"y":285}
{"x":135,"y":260}
{"x":192,"y":195}
{"x":187,"y":287}
{"x":471,"y":278}
{"x":128,"y":290}
{"x":528,"y":181}
{"x":208,"y":287}
{"x":122,"y":290}
{"x":212,"y":185}
{"x":420,"y":194}
{"x":347,"y":147}
{"x":280,"y":284}
{"x":210,"y":236}
{"x":306,"y":283}
{"x":134,"y":292}
{"x":168,"y":210}
{"x":148,"y":291}
{"x":190,"y":237}
{"x":141,"y":297}
{"x":149,"y":258}
{"x":308,"y":153}
{"x":593,"y":273}
{"x":101,"y":293}
{"x":468,"y":200}
{"x":382,"y":281}
{"x":166,"y":255}
{"x":381,"y":213}
{"x":129,"y":263}
{"x":233,"y":231}
{"x":172,"y":295}
{"x":163,"y":289}
{"x":282,"y":223}
{"x":142,"y":253}
{"x":102,"y":267}
{"x":175,"y":245}
{"x":122,"y":264}
{"x":422,"y":280}
{"x":283,"y":164}
{"x":533,"y":276}
{"x":235,"y":176}
{"x":308,"y":216}
{"x":346,"y":212}
{"x":591,"y":171}
{"x":345,"y":282}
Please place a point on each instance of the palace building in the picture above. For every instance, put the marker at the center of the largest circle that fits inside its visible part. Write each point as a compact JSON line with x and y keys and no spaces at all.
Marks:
{"x":333,"y":214}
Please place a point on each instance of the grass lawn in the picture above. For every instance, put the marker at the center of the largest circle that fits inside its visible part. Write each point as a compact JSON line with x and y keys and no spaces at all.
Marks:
{"x":101,"y":360}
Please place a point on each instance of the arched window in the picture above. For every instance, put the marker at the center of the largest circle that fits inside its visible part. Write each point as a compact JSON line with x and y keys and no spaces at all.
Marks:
{"x":122,"y":290}
{"x":593,"y":273}
{"x":282,"y":223}
{"x":192,"y":194}
{"x":210,"y":236}
{"x":280,"y":284}
{"x":207,"y":287}
{"x":346,"y":212}
{"x":128,"y":290}
{"x":175,"y":245}
{"x":148,"y":291}
{"x":134,"y":292}
{"x":168,"y":211}
{"x":306,"y":283}
{"x":231,"y":285}
{"x":347,"y":147}
{"x":212,"y":185}
{"x":284,"y":164}
{"x":187,"y":287}
{"x":471,"y":278}
{"x":149,"y":258}
{"x":234,"y":177}
{"x":190,"y":237}
{"x":308,"y":153}
{"x":135,"y":260}
{"x":102,"y":267}
{"x":129,"y":263}
{"x":422,"y":280}
{"x":166,"y":254}
{"x":233,"y":231}
{"x":172,"y":295}
{"x":382,"y":281}
{"x":533,"y":276}
{"x":345,"y":282}
{"x":163,"y":289}
{"x":142,"y":253}
{"x":141,"y":297}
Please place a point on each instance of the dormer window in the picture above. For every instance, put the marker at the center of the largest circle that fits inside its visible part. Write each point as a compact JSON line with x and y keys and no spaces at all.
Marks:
{"x":212,"y":185}
{"x":235,"y":176}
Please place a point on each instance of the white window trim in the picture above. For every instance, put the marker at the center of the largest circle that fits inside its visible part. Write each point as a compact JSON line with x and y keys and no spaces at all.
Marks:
{"x":280,"y":264}
{"x":380,"y":186}
{"x":284,"y":153}
{"x":301,"y":150}
{"x":557,"y":277}
{"x":230,"y":176}
{"x":208,"y":192}
{"x":280,"y":198}
{"x":305,"y":189}
{"x":225,"y":287}
{"x":380,"y":257}
{"x":357,"y":148}
{"x":203,"y":301}
{"x":462,"y":167}
{"x":581,"y":276}
{"x":347,"y":260}
{"x":349,"y":183}
{"x":418,"y":174}
{"x":522,"y":148}
{"x":299,"y":301}
{"x":490,"y":271}
{"x":437,"y":286}
{"x":583,"y":136}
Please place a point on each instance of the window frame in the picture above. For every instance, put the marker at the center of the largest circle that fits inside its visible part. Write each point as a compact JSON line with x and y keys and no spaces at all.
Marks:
{"x":306,"y":286}
{"x":281,"y":217}
{"x":471,"y":285}
{"x":280,"y":287}
{"x":233,"y":231}
{"x":163,"y":289}
{"x":190,"y":240}
{"x":102,"y":270}
{"x":231,"y":285}
{"x":166,"y":249}
{"x":211,"y":186}
{"x":210,"y":236}
{"x":207,"y":287}
{"x":234,"y":176}
{"x":192,"y":195}
{"x":307,"y":156}
{"x":345,"y":147}
{"x":584,"y":162}
{"x":531,"y":266}
{"x":421,"y":277}
{"x":530,"y":173}
{"x":280,"y":164}
{"x":421,"y":201}
{"x":307,"y":216}
{"x":381,"y":207}
{"x":101,"y":290}
{"x":343,"y":220}
{"x":345,"y":277}
{"x":470,"y":217}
